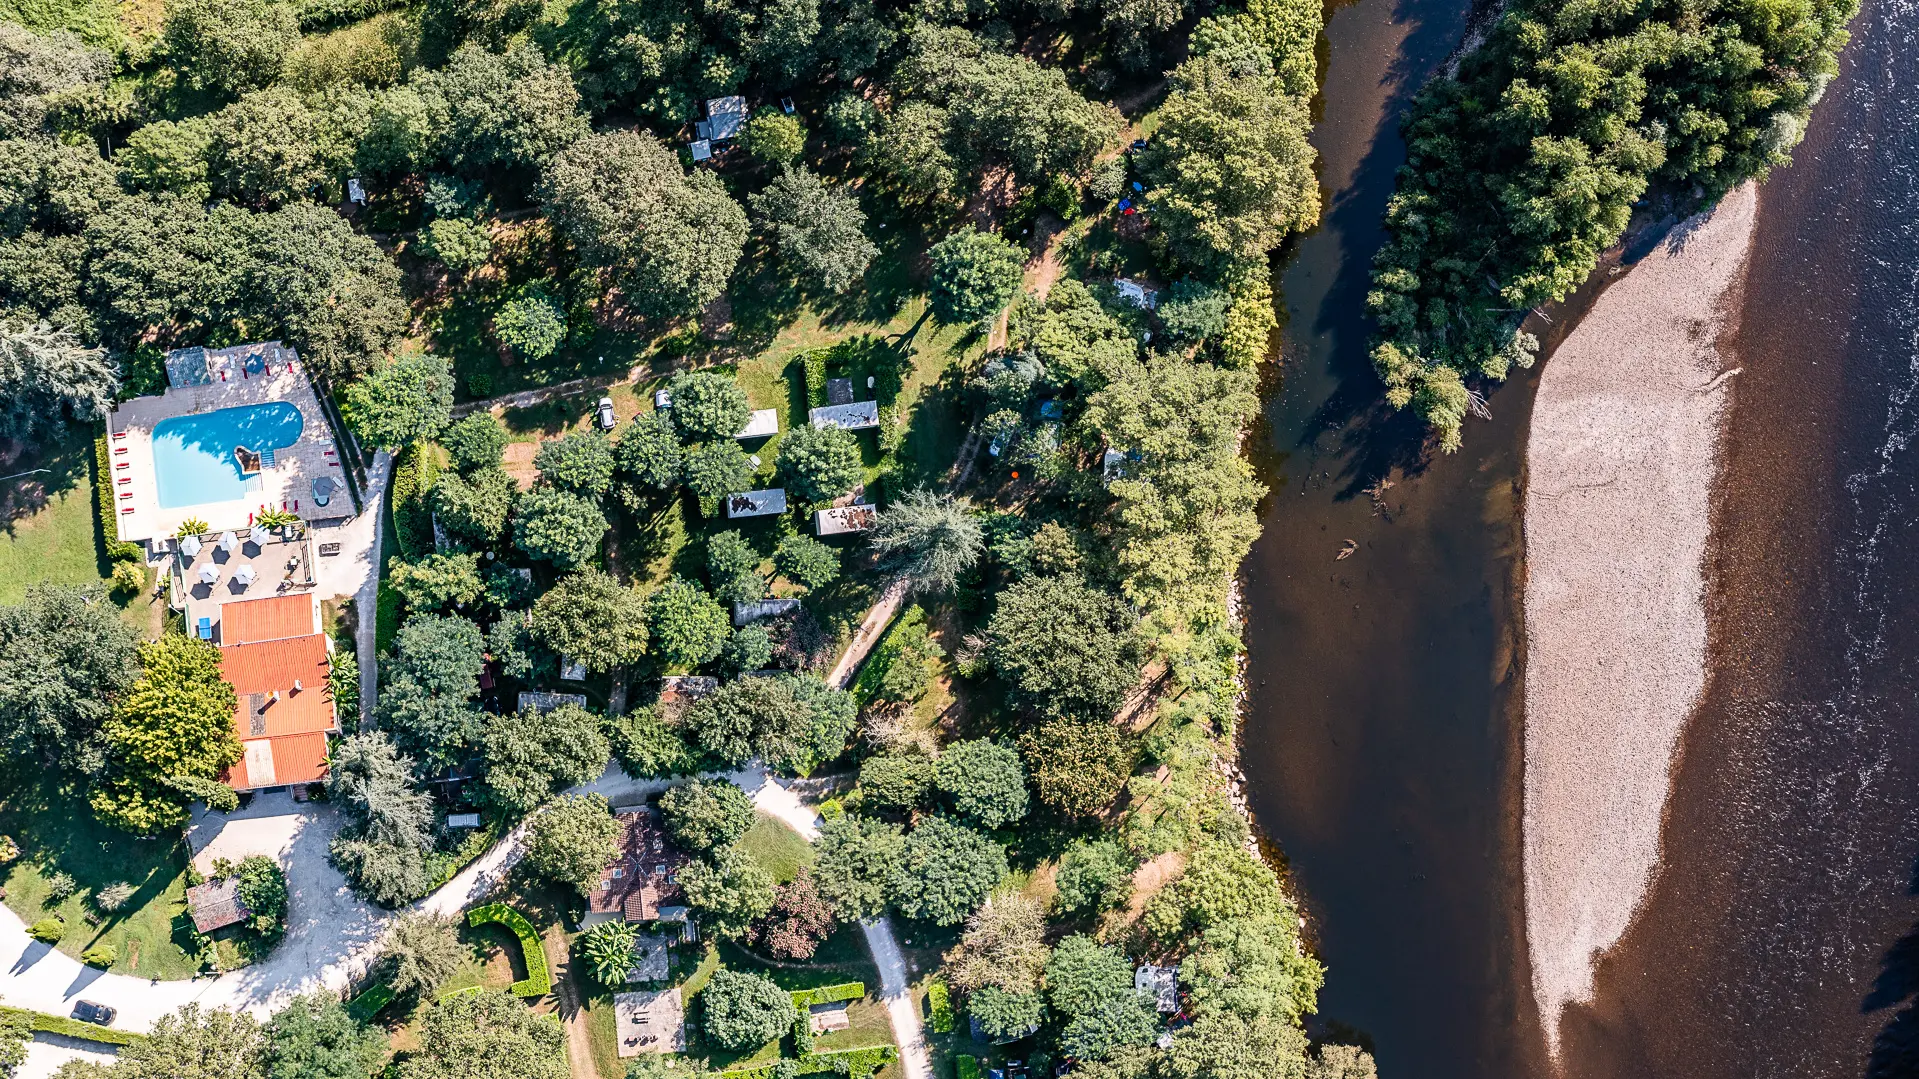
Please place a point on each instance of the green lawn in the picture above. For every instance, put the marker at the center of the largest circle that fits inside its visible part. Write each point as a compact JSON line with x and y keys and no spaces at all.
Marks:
{"x":49,"y":532}
{"x":777,"y":847}
{"x":56,"y":832}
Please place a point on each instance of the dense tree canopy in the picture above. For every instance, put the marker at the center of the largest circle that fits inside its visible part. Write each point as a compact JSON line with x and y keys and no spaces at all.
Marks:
{"x":946,"y":871}
{"x":593,"y":619}
{"x":929,"y":539}
{"x":728,"y":893}
{"x":1229,"y":171}
{"x":1525,"y":167}
{"x":65,"y":657}
{"x":487,"y":1035}
{"x":705,"y":815}
{"x":176,"y":721}
{"x":975,"y":275}
{"x":427,"y":685}
{"x":670,"y":239}
{"x":1066,"y":648}
{"x":529,"y":754}
{"x":570,"y":841}
{"x":707,"y":404}
{"x":558,"y":526}
{"x":982,"y":782}
{"x":820,"y":230}
{"x":474,"y":441}
{"x":581,"y":462}
{"x":474,"y":508}
{"x":315,"y":1038}
{"x":512,"y":108}
{"x":745,"y":1011}
{"x":750,"y":717}
{"x":858,"y":859}
{"x":230,"y":46}
{"x":820,"y":463}
{"x":46,"y":375}
{"x":687,"y":626}
{"x":648,"y":458}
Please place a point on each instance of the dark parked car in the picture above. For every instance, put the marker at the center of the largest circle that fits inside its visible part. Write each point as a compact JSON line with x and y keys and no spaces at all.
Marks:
{"x":88,"y":1012}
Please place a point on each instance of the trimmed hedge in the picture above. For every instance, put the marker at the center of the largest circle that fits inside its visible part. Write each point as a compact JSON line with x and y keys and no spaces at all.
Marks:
{"x":538,"y":982}
{"x":368,"y":1004}
{"x":813,"y":361}
{"x":117,"y":550}
{"x":939,"y":1008}
{"x":855,"y":1063}
{"x":74,"y":1028}
{"x":829,"y":994}
{"x":48,"y":930}
{"x":414,"y":473}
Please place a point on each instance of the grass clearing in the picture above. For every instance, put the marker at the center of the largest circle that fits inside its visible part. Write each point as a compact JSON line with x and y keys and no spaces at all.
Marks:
{"x":50,"y":533}
{"x":56,"y":832}
{"x":778,"y":848}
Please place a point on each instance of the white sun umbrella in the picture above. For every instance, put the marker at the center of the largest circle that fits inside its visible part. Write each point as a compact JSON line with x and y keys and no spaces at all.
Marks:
{"x":229,"y":542}
{"x":209,"y":573}
{"x":258,"y":534}
{"x":190,"y":546}
{"x":244,"y":574}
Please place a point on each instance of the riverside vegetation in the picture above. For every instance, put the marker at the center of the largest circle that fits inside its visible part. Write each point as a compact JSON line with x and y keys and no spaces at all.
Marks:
{"x":1040,"y":745}
{"x":1525,"y":166}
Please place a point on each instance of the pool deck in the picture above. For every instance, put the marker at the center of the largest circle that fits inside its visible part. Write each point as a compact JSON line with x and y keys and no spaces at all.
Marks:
{"x":130,"y":451}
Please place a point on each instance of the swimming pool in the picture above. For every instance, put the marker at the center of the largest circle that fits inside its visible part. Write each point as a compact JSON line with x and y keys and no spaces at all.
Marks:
{"x":193,"y":458}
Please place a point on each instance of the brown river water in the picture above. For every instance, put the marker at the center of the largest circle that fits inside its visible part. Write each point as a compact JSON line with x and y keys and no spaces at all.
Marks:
{"x":1383,"y":736}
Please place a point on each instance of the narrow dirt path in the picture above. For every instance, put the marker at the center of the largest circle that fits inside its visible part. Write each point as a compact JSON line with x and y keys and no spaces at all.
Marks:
{"x":579,"y":1046}
{"x":868,"y":634}
{"x":901,"y":1009}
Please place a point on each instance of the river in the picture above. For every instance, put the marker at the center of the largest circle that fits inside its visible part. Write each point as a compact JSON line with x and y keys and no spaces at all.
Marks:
{"x":1383,"y":736}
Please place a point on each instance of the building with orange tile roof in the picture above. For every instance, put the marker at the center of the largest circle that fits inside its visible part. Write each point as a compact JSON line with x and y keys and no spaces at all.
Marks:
{"x":278,"y":665}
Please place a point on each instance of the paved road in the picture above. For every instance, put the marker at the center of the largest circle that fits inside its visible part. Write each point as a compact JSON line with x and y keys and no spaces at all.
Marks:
{"x":901,"y":1007}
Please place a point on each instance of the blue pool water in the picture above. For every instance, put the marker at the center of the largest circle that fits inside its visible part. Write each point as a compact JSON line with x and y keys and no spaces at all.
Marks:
{"x":193,"y":458}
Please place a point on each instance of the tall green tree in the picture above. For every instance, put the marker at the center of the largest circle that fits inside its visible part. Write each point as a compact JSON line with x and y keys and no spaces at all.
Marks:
{"x":371,"y":783}
{"x":1229,"y":173}
{"x":948,"y":870}
{"x":422,"y":952}
{"x":437,"y":581}
{"x":820,"y":463}
{"x":40,"y":70}
{"x":647,"y":453}
{"x":47,"y":376}
{"x":745,"y":1011}
{"x":263,"y":150}
{"x":474,"y":441}
{"x":705,"y":815}
{"x":669,"y":238}
{"x":530,"y":754}
{"x":581,"y":462}
{"x":686,"y":625}
{"x":431,"y":678}
{"x":932,"y":540}
{"x":194,"y":1043}
{"x":230,"y":46}
{"x":474,"y":508}
{"x":512,"y":108}
{"x":975,"y":275}
{"x":707,"y":405}
{"x":820,"y":230}
{"x":750,"y":717}
{"x":728,"y":892}
{"x":176,"y":721}
{"x":858,"y":859}
{"x":559,"y":527}
{"x":718,"y":469}
{"x":570,"y":841}
{"x":487,"y":1035}
{"x":594,"y":619}
{"x":983,"y":782}
{"x":315,"y":1038}
{"x":1067,"y":649}
{"x":408,"y":399}
{"x":65,"y":659}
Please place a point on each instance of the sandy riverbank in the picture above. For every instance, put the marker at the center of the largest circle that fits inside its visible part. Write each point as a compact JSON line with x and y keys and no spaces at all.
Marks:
{"x":1621,"y":461}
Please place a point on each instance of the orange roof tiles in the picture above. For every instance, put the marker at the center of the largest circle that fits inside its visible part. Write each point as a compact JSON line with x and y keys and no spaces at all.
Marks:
{"x":285,"y":737}
{"x":271,"y":618}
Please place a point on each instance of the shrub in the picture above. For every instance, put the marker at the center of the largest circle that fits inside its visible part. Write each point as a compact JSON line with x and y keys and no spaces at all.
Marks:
{"x":939,"y":1009}
{"x":805,"y":560}
{"x":744,"y":1011}
{"x":532,"y":325}
{"x":113,"y":896}
{"x":48,"y":930}
{"x":60,"y":885}
{"x":475,"y":441}
{"x":263,"y":888}
{"x":100,"y":955}
{"x":608,"y":951}
{"x":128,"y":578}
{"x":774,"y":138}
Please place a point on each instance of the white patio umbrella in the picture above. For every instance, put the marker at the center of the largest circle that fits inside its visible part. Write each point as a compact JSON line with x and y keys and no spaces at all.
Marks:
{"x":229,"y":542}
{"x":190,"y":546}
{"x":258,"y":534}
{"x":244,"y":574}
{"x":209,"y":573}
